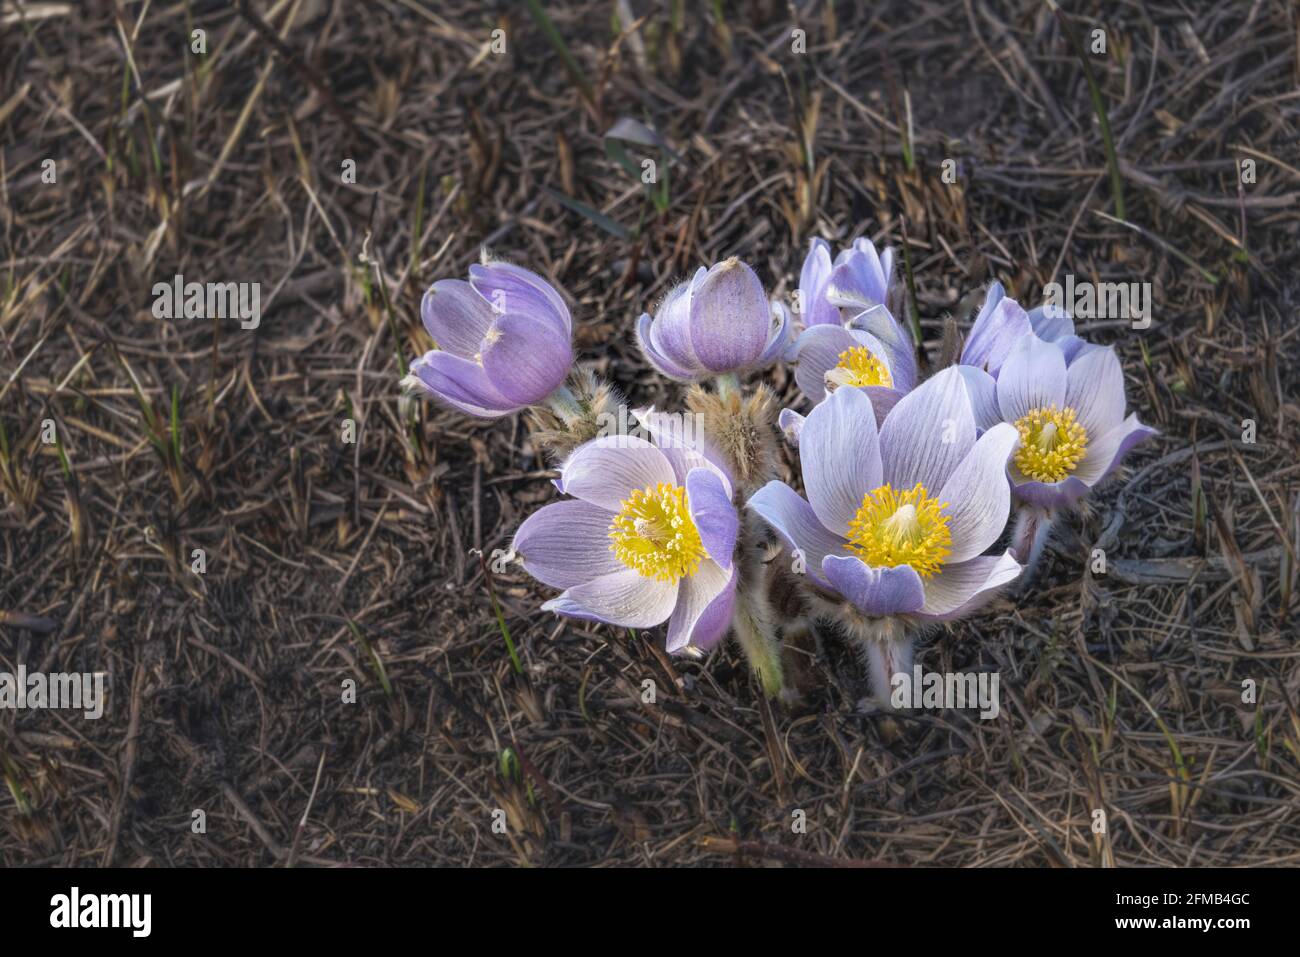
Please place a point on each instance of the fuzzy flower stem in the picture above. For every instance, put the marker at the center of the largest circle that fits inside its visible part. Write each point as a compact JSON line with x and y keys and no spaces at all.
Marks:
{"x":727,"y":385}
{"x":888,"y":649}
{"x":886,"y":659}
{"x":565,"y":404}
{"x":1033,"y":528}
{"x":755,"y":632}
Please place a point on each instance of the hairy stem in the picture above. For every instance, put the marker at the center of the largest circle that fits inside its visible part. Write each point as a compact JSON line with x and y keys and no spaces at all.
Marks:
{"x":758,"y":641}
{"x":1029,"y":538}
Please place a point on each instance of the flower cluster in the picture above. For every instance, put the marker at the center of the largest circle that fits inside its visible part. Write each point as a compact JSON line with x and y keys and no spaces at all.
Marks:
{"x":908,"y":486}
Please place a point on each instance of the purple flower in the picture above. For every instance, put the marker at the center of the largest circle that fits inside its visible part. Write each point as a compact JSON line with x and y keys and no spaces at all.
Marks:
{"x":849,"y":337}
{"x":502,"y":341}
{"x":1068,"y":411}
{"x":881,"y":361}
{"x":718,"y":323}
{"x":858,"y":279}
{"x":998,"y":326}
{"x":648,"y":537}
{"x":897,"y":520}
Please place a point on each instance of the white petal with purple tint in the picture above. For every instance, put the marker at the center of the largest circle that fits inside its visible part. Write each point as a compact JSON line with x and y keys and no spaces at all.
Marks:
{"x":625,"y":598}
{"x":978,"y":494}
{"x":958,"y":589}
{"x":928,"y":433}
{"x":605,"y":471}
{"x":566,"y":544}
{"x":1095,"y":390}
{"x":795,"y":521}
{"x":1032,"y":377}
{"x":840,"y":454}
{"x":703,"y":612}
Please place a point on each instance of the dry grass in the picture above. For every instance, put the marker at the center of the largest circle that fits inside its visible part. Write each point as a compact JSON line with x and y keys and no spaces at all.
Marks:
{"x":328,"y":561}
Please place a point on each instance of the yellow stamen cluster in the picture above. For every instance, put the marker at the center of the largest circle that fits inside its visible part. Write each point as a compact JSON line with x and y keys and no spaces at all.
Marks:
{"x":901,"y":528}
{"x":1051,"y":443}
{"x":859,"y":367}
{"x":654,"y":534}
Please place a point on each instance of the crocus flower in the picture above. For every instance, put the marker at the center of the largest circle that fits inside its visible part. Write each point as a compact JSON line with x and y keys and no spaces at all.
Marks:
{"x":1069,"y":416}
{"x":1000,"y":323}
{"x":649,"y":536}
{"x":720,"y":322}
{"x":897,"y":521}
{"x":857,"y":279}
{"x":502,"y":341}
{"x":850,"y":337}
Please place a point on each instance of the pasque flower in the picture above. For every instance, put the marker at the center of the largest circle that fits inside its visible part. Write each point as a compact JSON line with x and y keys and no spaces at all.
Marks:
{"x":718,"y":323}
{"x":896,"y":521}
{"x":850,"y":337}
{"x":502,"y":341}
{"x":1068,"y":410}
{"x":649,"y":536}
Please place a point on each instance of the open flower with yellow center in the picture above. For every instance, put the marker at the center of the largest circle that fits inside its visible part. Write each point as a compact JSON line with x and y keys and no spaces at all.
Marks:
{"x":897,"y":520}
{"x":848,"y":336}
{"x":648,"y":537}
{"x":1065,"y":399}
{"x":828,"y":357}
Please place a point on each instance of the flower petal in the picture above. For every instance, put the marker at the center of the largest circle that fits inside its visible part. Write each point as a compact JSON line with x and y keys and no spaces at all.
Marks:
{"x":566,"y":544}
{"x":791,"y":424}
{"x":527,"y":360}
{"x":1000,"y":324}
{"x":1132,"y":432}
{"x":730,"y":317}
{"x":796,"y":523}
{"x":1051,"y":322}
{"x":1094,"y":388}
{"x":961,"y":588}
{"x":626,"y":598}
{"x":814,"y":310}
{"x":840,"y":454}
{"x":460,"y":383}
{"x":875,"y":592}
{"x":704,"y":604}
{"x":858,"y":280}
{"x":680,"y":437}
{"x":605,"y":471}
{"x":928,"y":433}
{"x":818,"y":351}
{"x":512,"y":289}
{"x":456,"y":317}
{"x":978,"y":494}
{"x":645,"y":338}
{"x":900,"y":352}
{"x":780,"y":334}
{"x":670,"y":331}
{"x":1032,"y":377}
{"x":714,"y":515}
{"x":1049,"y":495}
{"x":983,"y":391}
